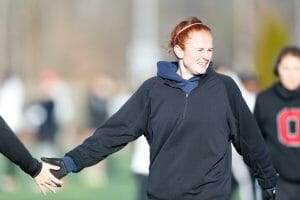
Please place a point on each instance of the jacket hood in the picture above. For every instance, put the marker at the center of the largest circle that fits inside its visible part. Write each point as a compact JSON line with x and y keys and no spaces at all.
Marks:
{"x":167,"y":70}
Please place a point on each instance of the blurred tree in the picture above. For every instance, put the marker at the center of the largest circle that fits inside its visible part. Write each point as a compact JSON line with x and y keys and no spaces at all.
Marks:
{"x":272,"y":36}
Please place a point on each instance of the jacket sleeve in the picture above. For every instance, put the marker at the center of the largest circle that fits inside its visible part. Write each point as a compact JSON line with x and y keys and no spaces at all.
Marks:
{"x":248,"y":141}
{"x":258,"y":111}
{"x":12,"y":148}
{"x":123,"y":127}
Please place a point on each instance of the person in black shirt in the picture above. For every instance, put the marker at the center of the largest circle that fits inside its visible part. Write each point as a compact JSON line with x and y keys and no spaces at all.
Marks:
{"x":277,"y":111}
{"x":189,"y":115}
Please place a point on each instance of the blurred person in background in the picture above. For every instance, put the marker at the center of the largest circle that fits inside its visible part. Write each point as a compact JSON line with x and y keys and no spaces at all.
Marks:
{"x":189,"y":115}
{"x":250,"y":83}
{"x":100,"y":91}
{"x":51,"y":113}
{"x":277,"y":111}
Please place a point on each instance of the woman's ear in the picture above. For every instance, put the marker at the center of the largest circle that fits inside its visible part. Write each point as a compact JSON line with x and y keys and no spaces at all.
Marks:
{"x":178,"y":51}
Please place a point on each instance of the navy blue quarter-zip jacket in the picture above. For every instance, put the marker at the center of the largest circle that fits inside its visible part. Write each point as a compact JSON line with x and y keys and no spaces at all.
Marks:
{"x":189,"y":136}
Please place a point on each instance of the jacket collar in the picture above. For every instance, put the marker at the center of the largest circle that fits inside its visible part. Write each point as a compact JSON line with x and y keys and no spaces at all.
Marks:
{"x":284,"y":93}
{"x":167,"y":71}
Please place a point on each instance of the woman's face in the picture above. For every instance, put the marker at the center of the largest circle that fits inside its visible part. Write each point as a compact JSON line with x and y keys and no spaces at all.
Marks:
{"x":197,"y":52}
{"x":289,"y":72}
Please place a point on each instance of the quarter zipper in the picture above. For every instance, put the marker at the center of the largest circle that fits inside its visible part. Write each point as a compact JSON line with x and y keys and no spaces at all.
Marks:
{"x":185,"y":105}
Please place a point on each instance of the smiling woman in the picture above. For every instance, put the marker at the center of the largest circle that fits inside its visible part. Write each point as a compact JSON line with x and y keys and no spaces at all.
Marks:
{"x":190,"y":115}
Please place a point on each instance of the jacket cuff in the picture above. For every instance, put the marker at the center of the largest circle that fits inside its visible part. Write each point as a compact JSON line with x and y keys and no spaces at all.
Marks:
{"x":270,"y":183}
{"x":37,"y":170}
{"x":77,"y":159}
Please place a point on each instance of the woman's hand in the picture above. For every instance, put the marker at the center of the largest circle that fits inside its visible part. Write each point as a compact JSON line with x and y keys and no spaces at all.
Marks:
{"x":45,"y":179}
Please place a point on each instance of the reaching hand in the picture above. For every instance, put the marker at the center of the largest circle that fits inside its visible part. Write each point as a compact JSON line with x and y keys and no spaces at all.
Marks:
{"x":46,"y":181}
{"x":59,"y":162}
{"x":269,"y":194}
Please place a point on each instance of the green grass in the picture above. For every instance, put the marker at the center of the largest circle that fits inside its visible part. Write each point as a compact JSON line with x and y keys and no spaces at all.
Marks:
{"x":120,"y":184}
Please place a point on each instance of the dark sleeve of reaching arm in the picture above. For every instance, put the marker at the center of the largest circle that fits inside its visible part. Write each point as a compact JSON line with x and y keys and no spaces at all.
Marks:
{"x":123,"y":127}
{"x":248,"y":141}
{"x":12,"y":148}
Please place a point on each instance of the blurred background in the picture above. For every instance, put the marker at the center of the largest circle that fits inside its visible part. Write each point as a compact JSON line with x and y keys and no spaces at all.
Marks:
{"x":67,"y":65}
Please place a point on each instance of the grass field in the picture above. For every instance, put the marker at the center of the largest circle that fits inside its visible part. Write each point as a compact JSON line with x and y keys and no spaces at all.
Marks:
{"x":120,"y":184}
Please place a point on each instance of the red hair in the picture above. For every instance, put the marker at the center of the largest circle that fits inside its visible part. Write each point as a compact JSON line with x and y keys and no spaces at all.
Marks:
{"x":181,"y":32}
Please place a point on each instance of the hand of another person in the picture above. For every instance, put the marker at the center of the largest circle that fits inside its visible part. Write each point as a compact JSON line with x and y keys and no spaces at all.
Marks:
{"x":45,"y":179}
{"x":58,"y":162}
{"x":269,"y":194}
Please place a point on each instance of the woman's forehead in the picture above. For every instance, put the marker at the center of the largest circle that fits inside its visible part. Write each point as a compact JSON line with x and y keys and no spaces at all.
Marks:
{"x":289,"y":58}
{"x":199,"y":37}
